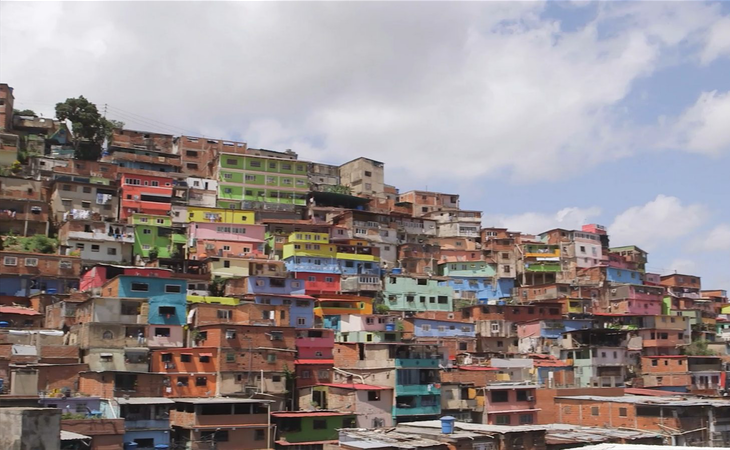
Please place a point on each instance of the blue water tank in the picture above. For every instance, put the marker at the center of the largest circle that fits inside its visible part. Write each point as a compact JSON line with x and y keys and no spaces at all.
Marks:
{"x":447,"y":424}
{"x":396,"y":271}
{"x":4,"y":324}
{"x":389,"y":327}
{"x":51,"y":291}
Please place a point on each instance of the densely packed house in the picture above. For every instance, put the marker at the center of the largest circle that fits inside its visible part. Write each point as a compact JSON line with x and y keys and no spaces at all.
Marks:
{"x":194,"y":293}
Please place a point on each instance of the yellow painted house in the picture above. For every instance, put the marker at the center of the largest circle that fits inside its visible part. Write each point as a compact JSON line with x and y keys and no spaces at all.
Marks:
{"x":220,"y":215}
{"x":307,"y":244}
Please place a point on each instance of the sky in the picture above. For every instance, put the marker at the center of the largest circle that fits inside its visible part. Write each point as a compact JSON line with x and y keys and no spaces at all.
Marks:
{"x":539,"y":114}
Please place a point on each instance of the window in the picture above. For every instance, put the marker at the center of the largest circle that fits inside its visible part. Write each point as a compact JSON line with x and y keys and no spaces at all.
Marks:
{"x":462,"y":346}
{"x":182,"y":381}
{"x":259,"y":435}
{"x":654,"y":362}
{"x":522,"y":396}
{"x":425,"y":327}
{"x":140,"y":287}
{"x":231,"y":162}
{"x":319,"y":424}
{"x":230,"y":334}
{"x":500,"y":396}
{"x":107,"y":335}
{"x":226,"y":263}
{"x":271,"y":358}
{"x":146,"y":231}
{"x":373,"y":396}
{"x":204,"y":358}
{"x":162,"y":332}
{"x":94,"y":248}
{"x":111,"y":251}
{"x":301,"y":321}
{"x":201,"y":381}
{"x":166,"y":310}
{"x":31,"y":262}
{"x":173,"y":288}
{"x":623,"y":412}
{"x":10,"y":261}
{"x":502,"y":419}
{"x":526,"y":419}
{"x":323,"y":375}
{"x":595,"y":410}
{"x":186,"y":357}
{"x":306,"y":374}
{"x":80,"y":246}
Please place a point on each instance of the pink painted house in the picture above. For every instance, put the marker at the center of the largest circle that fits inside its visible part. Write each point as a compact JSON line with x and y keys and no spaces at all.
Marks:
{"x":366,"y":322}
{"x":217,"y":239}
{"x":101,"y":273}
{"x":510,"y":404}
{"x":636,"y":300}
{"x":315,"y":343}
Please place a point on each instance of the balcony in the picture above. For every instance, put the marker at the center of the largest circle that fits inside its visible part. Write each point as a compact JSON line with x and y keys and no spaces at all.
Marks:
{"x":459,"y":404}
{"x":416,"y":410}
{"x":130,"y":423}
{"x":133,"y":319}
{"x":421,"y":362}
{"x":542,"y":267}
{"x":417,"y":389}
{"x":104,"y":236}
{"x":361,"y":283}
{"x":548,"y":254}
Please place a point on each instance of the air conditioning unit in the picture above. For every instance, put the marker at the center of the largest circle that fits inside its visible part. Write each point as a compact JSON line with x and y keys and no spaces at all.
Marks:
{"x":530,"y":398}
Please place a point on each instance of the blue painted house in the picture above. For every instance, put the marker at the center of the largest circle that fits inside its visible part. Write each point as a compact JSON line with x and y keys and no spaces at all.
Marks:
{"x":283,"y":291}
{"x":485,"y":290}
{"x":421,"y":327}
{"x":146,"y":421}
{"x":615,"y":275}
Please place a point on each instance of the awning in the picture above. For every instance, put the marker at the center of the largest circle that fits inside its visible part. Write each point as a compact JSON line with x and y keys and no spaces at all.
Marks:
{"x":71,"y":436}
{"x":206,"y":354}
{"x":186,"y":354}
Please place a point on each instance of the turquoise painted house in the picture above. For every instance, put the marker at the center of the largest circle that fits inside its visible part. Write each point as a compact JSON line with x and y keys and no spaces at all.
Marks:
{"x":417,"y":293}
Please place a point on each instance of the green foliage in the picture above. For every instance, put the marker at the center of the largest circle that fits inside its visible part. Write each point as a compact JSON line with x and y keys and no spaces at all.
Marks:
{"x":87,"y":124}
{"x":73,"y":416}
{"x":217,"y":287}
{"x":381,"y":308}
{"x":339,"y":189}
{"x":40,"y":244}
{"x":24,"y":112}
{"x":698,"y":348}
{"x":153,"y":254}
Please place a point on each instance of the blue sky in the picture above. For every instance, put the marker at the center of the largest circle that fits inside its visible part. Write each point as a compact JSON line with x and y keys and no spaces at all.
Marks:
{"x":540,"y":114}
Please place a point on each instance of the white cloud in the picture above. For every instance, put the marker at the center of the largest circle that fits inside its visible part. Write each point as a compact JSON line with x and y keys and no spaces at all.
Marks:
{"x":535,"y":223}
{"x":657,"y":222}
{"x":717,"y":239}
{"x":487,"y":88}
{"x":718,"y":41}
{"x":702,"y":128}
{"x":681,"y":265}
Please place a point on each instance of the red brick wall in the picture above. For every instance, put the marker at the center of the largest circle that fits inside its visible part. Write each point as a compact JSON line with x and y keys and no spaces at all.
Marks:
{"x":102,"y":385}
{"x":664,"y":365}
{"x":345,"y":355}
{"x":545,"y":400}
{"x":257,"y":339}
{"x":314,"y":374}
{"x":59,"y":377}
{"x":476,"y":377}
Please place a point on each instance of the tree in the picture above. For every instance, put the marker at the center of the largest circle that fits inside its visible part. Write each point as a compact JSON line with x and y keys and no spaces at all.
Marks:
{"x":153,"y":254}
{"x":217,"y":287}
{"x":88,"y":126}
{"x":698,"y":348}
{"x":24,"y":112}
{"x":39,"y":244}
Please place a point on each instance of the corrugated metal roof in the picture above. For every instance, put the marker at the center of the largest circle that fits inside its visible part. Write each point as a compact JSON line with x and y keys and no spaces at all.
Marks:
{"x":310,"y":414}
{"x":144,"y":401}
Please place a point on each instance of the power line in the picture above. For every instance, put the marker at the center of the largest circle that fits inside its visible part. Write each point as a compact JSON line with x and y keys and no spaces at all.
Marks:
{"x":167,"y":125}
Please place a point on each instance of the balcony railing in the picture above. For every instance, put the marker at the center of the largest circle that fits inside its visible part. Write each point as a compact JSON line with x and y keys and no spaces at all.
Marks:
{"x":416,"y":410}
{"x":417,"y":389}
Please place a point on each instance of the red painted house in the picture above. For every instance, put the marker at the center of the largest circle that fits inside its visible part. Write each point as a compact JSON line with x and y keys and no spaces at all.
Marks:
{"x":145,"y":194}
{"x":319,"y":283}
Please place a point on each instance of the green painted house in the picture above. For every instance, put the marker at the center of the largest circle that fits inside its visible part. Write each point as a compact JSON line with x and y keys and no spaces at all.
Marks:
{"x":302,"y":427}
{"x":157,"y":232}
{"x":261,"y":179}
